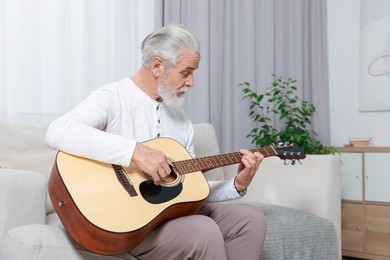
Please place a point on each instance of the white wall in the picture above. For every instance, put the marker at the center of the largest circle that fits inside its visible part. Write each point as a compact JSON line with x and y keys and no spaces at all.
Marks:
{"x":346,"y":120}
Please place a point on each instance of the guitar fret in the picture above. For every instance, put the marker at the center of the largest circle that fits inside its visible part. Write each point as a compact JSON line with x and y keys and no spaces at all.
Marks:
{"x":191,"y":166}
{"x":222,"y":161}
{"x":196,"y":165}
{"x":203,"y":165}
{"x":182,"y":166}
{"x":214,"y":158}
{"x":266,"y":151}
{"x":272,"y":151}
{"x":238,"y":157}
{"x":231,"y":157}
{"x":207,"y":162}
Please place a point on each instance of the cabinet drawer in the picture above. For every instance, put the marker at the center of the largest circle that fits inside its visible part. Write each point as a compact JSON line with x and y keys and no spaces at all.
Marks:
{"x":352,"y":240}
{"x":378,"y":229}
{"x":352,"y":226}
{"x":352,"y":216}
{"x":378,"y":243}
{"x":378,"y":218}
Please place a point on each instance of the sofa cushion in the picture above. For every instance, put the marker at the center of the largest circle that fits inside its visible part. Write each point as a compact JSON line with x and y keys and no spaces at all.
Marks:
{"x":295,"y":235}
{"x":206,"y":144}
{"x":24,"y":147}
{"x":45,"y":242}
{"x":22,"y":193}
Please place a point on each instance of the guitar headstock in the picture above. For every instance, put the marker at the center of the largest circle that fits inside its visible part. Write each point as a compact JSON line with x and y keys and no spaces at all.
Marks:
{"x":289,"y":152}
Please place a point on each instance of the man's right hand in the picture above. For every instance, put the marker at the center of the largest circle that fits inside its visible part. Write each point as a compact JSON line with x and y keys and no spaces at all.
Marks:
{"x":151,"y":161}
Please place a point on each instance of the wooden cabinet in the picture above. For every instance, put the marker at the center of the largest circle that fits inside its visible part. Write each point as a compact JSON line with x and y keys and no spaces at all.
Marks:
{"x":365,"y":196}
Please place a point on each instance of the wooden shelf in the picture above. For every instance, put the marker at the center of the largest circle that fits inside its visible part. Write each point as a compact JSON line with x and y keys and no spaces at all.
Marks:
{"x":364,"y":149}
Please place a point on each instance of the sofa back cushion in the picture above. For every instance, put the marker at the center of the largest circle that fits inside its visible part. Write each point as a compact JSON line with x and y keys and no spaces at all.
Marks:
{"x":206,"y":144}
{"x":23,"y":147}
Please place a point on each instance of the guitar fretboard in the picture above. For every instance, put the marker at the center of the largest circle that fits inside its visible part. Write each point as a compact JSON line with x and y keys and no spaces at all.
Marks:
{"x":215,"y":161}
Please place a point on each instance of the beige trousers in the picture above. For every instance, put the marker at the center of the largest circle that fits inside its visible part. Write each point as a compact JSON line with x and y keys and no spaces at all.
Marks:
{"x":218,"y":232}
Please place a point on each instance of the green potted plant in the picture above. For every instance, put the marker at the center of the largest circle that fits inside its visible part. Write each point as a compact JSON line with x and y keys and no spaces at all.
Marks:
{"x":279,"y":103}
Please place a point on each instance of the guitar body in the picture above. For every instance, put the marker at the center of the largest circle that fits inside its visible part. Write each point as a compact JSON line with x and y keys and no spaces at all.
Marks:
{"x":110,"y":213}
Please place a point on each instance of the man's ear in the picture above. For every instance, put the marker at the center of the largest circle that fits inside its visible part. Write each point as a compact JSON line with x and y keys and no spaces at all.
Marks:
{"x":157,"y":66}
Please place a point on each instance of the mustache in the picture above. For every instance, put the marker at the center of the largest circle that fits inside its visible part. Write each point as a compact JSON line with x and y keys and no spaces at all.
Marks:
{"x":184,"y":89}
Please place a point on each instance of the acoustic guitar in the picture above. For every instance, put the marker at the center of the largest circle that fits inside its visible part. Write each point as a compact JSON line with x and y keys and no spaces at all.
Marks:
{"x":110,"y":209}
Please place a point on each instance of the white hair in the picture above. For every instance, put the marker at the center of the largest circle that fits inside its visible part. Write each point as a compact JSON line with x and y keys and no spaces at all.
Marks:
{"x":169,"y":43}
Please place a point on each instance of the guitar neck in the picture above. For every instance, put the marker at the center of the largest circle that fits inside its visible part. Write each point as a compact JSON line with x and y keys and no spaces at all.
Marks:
{"x":211,"y":162}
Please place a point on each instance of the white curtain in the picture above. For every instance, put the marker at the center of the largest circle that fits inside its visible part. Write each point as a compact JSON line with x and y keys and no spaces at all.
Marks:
{"x":54,"y":52}
{"x":247,"y":40}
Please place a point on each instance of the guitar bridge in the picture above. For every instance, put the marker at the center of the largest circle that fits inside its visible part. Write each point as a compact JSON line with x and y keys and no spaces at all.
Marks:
{"x":124,"y":180}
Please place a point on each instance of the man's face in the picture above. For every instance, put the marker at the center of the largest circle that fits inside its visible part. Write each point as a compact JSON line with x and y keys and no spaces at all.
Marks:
{"x":178,"y":79}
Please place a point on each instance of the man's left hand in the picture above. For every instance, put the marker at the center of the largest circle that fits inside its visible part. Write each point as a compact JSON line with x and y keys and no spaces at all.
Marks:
{"x":250,"y":162}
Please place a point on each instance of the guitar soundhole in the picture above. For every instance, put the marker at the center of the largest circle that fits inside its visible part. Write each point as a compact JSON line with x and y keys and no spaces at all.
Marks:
{"x":168,"y":189}
{"x":159,"y":194}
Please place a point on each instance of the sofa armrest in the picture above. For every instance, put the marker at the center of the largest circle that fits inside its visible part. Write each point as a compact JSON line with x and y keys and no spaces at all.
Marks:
{"x":312,"y":187}
{"x":22,"y":199}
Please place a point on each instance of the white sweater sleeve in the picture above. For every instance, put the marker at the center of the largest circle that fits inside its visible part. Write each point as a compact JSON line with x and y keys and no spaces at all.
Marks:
{"x":80,"y":132}
{"x":222,"y":191}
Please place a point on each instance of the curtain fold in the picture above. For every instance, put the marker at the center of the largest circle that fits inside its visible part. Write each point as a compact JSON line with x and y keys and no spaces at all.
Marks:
{"x":53,"y":53}
{"x":248,"y":40}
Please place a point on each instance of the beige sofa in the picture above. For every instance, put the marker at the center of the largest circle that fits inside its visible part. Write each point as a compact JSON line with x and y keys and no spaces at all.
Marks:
{"x":301,"y":203}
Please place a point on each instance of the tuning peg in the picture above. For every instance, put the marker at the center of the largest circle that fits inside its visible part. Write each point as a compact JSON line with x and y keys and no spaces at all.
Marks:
{"x":286,"y":162}
{"x":293,"y":162}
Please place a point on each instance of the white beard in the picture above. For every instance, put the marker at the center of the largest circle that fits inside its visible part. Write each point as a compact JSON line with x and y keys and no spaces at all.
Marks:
{"x":169,"y":95}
